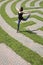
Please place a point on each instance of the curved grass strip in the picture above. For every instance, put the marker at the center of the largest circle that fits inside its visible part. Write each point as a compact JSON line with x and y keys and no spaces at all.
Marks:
{"x":6,"y":17}
{"x":27,"y":23}
{"x":1,"y":0}
{"x":21,"y":50}
{"x":41,"y":28}
{"x":33,"y":8}
{"x":33,"y":3}
{"x":37,"y":17}
{"x":33,"y":36}
{"x":41,"y":3}
{"x":23,"y":4}
{"x":10,"y":21}
{"x":38,"y":11}
{"x":8,"y":9}
{"x":37,"y":3}
{"x":13,"y":7}
{"x":15,"y":11}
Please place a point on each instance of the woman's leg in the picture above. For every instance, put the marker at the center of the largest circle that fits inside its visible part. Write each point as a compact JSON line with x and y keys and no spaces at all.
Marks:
{"x":26,"y":18}
{"x":18,"y":25}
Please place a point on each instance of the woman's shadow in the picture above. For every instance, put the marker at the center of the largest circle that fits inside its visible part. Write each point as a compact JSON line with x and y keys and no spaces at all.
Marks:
{"x":28,"y":31}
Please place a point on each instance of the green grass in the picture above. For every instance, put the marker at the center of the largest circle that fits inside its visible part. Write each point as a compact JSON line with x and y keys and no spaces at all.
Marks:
{"x":13,"y":7}
{"x":15,"y":11}
{"x":41,"y":28}
{"x":1,"y":0}
{"x":21,"y":50}
{"x":33,"y":3}
{"x":16,"y":46}
{"x":37,"y":17}
{"x":41,"y":3}
{"x":23,"y":4}
{"x":27,"y":23}
{"x":38,"y":11}
{"x":11,"y":22}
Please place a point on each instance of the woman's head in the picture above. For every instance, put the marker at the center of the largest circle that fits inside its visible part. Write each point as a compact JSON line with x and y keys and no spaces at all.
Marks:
{"x":21,"y":9}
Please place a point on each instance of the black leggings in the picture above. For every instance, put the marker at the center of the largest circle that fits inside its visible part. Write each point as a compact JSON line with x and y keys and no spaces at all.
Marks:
{"x":24,"y":19}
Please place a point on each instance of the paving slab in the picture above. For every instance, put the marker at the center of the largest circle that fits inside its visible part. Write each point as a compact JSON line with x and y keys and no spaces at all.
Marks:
{"x":9,"y":57}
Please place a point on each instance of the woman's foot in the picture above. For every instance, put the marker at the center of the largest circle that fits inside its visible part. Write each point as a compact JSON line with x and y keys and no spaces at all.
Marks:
{"x":17,"y":31}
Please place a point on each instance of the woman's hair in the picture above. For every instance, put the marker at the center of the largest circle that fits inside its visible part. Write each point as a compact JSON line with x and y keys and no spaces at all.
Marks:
{"x":21,"y":9}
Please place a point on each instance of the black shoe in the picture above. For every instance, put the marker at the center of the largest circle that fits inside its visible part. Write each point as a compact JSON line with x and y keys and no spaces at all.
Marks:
{"x":17,"y":31}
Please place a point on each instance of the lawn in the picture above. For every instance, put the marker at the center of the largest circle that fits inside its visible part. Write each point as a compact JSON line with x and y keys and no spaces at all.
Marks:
{"x":15,"y":45}
{"x":41,"y":28}
{"x":21,"y":50}
{"x":11,"y":22}
{"x":41,"y":3}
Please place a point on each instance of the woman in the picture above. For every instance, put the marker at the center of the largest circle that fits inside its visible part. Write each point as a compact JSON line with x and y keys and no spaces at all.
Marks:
{"x":20,"y":17}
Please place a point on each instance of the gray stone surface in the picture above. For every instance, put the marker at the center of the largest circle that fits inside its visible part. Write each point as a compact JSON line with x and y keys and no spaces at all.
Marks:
{"x":9,"y":57}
